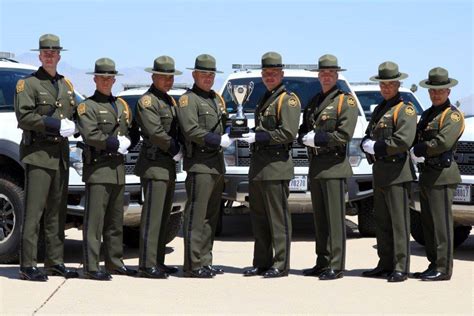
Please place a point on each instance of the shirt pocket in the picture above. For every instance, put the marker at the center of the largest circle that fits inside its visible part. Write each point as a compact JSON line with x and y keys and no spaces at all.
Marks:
{"x":328,"y":121}
{"x":207,"y":117}
{"x":106,"y":123}
{"x":384,"y":129}
{"x":45,"y":105}
{"x":269,"y":118}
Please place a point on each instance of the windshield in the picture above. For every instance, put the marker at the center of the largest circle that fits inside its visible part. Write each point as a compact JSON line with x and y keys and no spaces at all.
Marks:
{"x":369,"y":98}
{"x":304,"y":87}
{"x":466,"y":107}
{"x":8,"y":80}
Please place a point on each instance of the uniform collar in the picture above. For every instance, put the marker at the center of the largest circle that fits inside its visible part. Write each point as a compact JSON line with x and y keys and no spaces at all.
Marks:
{"x":393,"y":101}
{"x":159,"y":94}
{"x":44,"y":75}
{"x":324,"y":95}
{"x":102,"y":98}
{"x":204,"y":94}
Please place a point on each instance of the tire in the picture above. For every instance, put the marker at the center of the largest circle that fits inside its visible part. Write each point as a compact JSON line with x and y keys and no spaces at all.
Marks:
{"x":174,"y":225}
{"x":11,"y":217}
{"x":416,"y":228}
{"x":366,"y":217}
{"x":461,"y":233}
{"x":219,"y":225}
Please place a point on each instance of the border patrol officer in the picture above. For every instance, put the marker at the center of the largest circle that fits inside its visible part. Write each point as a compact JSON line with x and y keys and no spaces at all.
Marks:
{"x":271,"y":168}
{"x":44,"y":107}
{"x":389,"y":135}
{"x":438,"y":131}
{"x":328,"y":124}
{"x":202,"y":116}
{"x":103,"y":122}
{"x":158,"y":121}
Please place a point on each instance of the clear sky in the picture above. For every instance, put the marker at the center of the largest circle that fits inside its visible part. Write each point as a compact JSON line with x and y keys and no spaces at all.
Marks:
{"x":417,"y":34}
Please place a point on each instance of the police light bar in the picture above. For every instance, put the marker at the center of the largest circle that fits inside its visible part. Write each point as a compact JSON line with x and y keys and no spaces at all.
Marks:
{"x":285,"y":66}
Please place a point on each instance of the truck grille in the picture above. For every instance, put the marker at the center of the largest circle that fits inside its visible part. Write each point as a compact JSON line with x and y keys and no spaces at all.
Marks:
{"x":132,"y":157}
{"x":464,"y":157}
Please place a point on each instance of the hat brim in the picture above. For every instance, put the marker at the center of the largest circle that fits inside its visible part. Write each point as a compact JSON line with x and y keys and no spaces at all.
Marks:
{"x":175,"y":73}
{"x":400,"y":77}
{"x":38,"y":49}
{"x":425,"y":84}
{"x":202,"y":70}
{"x":102,"y":74}
{"x":319,"y":69}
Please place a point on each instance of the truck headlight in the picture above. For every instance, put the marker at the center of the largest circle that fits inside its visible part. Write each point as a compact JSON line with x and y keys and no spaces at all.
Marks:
{"x":229,"y":154}
{"x":75,"y":158}
{"x":355,"y":154}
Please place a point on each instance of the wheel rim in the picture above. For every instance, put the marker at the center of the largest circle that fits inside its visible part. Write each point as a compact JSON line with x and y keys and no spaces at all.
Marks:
{"x":7,"y":218}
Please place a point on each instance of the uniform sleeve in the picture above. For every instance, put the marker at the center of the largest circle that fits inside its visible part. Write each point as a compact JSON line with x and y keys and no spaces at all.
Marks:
{"x":150,"y":122}
{"x":403,"y":136}
{"x":303,"y":130}
{"x":287,"y":127}
{"x":189,"y":122}
{"x":90,"y":132}
{"x":25,"y":110}
{"x":450,"y":131}
{"x":345,"y":125}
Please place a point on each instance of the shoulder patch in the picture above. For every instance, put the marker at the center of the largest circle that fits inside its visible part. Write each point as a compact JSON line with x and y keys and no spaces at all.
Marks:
{"x":183,"y":101}
{"x":145,"y":101}
{"x":351,"y":101}
{"x":410,"y":111}
{"x":81,"y":108}
{"x":455,"y":117}
{"x":20,"y":86}
{"x":293,"y":102}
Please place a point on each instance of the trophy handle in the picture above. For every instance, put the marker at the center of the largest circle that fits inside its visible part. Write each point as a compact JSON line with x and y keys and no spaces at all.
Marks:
{"x":250,"y":90}
{"x":231,"y":93}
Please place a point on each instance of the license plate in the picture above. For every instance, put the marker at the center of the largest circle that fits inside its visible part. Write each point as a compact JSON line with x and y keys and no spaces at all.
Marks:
{"x":299,"y":183}
{"x":462,"y":193}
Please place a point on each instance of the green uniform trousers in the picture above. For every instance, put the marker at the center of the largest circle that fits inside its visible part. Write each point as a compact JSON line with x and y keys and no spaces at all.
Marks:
{"x":103,"y":217}
{"x":437,"y":223}
{"x":46,"y":194}
{"x":329,"y":207}
{"x":271,"y":223}
{"x":392,"y":221}
{"x":201,"y":214}
{"x":154,"y":220}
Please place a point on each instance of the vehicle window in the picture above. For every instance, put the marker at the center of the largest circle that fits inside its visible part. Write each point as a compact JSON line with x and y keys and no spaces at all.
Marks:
{"x":367,"y":98}
{"x":8,"y":80}
{"x":304,"y":87}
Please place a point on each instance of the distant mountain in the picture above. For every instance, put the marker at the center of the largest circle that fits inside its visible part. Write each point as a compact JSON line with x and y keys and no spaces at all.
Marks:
{"x":85,"y":85}
{"x":467,"y":102}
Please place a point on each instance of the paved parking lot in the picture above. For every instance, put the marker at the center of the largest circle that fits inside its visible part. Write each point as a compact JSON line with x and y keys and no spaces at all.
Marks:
{"x":231,"y":293}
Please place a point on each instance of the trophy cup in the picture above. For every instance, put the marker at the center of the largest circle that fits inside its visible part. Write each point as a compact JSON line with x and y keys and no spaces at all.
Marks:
{"x":239,"y":94}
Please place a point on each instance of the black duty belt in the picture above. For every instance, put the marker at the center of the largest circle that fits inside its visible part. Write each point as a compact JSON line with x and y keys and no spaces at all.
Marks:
{"x":205,"y":149}
{"x":39,"y":138}
{"x":254,"y":147}
{"x":393,"y":158}
{"x":338,"y":151}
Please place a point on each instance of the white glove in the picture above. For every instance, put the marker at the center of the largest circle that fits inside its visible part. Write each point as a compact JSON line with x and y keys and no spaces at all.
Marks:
{"x":178,"y":156}
{"x":414,"y":158}
{"x":368,"y":146}
{"x":124,"y":143}
{"x":226,"y":141}
{"x":248,"y":137}
{"x":67,"y":128}
{"x":308,"y":139}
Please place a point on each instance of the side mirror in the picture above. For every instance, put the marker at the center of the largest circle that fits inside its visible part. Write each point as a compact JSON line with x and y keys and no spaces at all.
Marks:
{"x":413,"y":88}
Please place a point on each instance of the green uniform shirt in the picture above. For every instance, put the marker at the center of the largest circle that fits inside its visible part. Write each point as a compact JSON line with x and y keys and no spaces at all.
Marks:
{"x":393,"y":134}
{"x":277,"y":115}
{"x":333,"y":117}
{"x":438,"y":133}
{"x":157,"y":118}
{"x":202,"y":118}
{"x":41,"y":102}
{"x":101,"y":119}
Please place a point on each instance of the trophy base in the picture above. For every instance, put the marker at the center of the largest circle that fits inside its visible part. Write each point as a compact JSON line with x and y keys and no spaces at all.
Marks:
{"x":237,"y":131}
